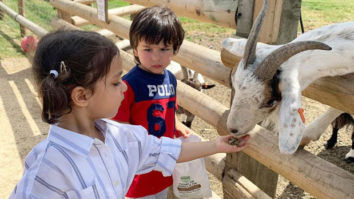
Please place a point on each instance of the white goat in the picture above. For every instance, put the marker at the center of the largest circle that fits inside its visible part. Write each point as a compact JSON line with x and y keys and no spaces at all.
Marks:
{"x":269,"y":79}
{"x":191,"y":78}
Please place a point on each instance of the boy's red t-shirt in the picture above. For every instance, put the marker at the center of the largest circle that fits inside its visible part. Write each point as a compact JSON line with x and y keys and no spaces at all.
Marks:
{"x":150,"y":101}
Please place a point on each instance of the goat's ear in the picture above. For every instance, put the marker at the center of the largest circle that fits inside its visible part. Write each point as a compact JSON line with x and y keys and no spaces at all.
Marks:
{"x":291,"y":126}
{"x":232,"y":51}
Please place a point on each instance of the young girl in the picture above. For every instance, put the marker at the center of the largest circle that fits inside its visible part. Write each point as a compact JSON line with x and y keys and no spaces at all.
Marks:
{"x":79,"y":78}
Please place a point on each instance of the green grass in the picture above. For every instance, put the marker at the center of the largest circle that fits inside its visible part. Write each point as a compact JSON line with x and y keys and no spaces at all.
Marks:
{"x":38,"y":11}
{"x":191,"y":24}
{"x":114,"y":4}
{"x":193,"y":27}
{"x":315,"y":13}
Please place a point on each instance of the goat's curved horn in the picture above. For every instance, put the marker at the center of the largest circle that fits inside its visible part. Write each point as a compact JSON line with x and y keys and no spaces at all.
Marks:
{"x":272,"y":62}
{"x":250,"y":49}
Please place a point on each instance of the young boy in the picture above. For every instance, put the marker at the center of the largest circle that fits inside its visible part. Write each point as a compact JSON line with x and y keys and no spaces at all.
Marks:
{"x":155,"y":36}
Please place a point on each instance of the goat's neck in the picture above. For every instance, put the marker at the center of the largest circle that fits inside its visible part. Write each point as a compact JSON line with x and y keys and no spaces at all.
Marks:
{"x":314,"y":64}
{"x":297,"y":73}
{"x":308,"y":70}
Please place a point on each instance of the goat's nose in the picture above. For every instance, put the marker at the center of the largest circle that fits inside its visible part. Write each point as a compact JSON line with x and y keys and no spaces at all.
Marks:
{"x":234,"y":131}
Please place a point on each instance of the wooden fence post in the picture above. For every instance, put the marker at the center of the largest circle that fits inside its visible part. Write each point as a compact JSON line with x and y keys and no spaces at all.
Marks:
{"x":289,"y":22}
{"x":244,"y":17}
{"x":260,"y":175}
{"x":1,"y":13}
{"x":280,"y":24}
{"x":102,"y":10}
{"x":64,"y":15}
{"x":21,"y":11}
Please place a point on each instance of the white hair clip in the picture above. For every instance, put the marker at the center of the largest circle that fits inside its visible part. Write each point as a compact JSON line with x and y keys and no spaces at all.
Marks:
{"x":63,"y":67}
{"x":54,"y":73}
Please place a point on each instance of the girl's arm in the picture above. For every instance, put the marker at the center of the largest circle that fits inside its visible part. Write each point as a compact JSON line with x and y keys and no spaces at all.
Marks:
{"x":194,"y":150}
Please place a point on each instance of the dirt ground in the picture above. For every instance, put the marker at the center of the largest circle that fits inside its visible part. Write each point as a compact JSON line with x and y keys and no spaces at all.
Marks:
{"x":20,"y":121}
{"x":22,"y":128}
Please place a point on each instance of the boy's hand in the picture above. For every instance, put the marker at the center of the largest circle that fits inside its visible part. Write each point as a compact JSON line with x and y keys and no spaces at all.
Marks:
{"x":223,"y":146}
{"x":183,"y":132}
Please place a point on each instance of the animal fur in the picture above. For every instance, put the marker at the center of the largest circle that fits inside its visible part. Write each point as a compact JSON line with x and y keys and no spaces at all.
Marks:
{"x":254,"y":99}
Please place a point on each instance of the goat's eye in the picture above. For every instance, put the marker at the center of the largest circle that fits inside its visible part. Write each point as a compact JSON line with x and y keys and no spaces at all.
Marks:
{"x":270,"y":103}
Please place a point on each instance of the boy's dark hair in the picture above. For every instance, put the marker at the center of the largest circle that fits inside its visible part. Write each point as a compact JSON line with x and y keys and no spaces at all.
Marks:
{"x":80,"y":58}
{"x":156,"y":24}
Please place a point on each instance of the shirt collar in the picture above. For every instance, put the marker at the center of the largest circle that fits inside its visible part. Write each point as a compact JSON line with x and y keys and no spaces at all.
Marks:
{"x":149,"y":74}
{"x":75,"y":142}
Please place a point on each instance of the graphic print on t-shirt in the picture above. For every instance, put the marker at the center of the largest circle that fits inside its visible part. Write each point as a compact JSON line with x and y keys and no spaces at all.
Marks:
{"x":154,"y":101}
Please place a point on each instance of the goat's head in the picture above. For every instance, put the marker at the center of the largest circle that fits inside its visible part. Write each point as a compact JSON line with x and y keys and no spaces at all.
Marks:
{"x":193,"y":83}
{"x":195,"y":80}
{"x":256,"y":84}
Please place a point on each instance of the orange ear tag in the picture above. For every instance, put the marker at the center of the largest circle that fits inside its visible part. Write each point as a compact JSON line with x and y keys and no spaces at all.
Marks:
{"x":301,"y":112}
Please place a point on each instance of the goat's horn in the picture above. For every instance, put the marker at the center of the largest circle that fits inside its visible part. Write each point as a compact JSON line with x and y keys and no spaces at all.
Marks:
{"x":250,"y":49}
{"x":268,"y":67}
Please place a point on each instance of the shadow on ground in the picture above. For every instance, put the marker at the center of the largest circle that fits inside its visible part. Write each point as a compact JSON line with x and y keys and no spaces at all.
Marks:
{"x":20,"y":120}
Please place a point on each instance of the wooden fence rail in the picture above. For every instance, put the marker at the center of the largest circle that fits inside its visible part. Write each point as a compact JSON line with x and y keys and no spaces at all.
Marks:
{"x":23,"y":21}
{"x":212,"y":11}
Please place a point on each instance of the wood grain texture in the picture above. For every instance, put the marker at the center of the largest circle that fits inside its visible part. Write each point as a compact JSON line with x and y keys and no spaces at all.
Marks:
{"x":211,"y":11}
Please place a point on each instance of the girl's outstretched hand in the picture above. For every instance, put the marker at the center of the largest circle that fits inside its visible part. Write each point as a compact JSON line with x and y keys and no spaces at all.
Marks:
{"x":223,"y":146}
{"x":194,"y":150}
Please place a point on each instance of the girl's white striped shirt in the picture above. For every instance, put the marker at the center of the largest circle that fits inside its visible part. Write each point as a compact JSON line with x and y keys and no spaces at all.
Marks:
{"x":72,"y":165}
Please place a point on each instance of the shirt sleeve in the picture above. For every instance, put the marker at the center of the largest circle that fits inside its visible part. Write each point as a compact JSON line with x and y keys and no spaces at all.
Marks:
{"x":123,"y":114}
{"x":158,"y":154}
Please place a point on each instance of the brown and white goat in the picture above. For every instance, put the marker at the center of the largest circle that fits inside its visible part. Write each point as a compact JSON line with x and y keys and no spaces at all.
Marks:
{"x":339,"y":120}
{"x":344,"y":120}
{"x":193,"y":79}
{"x":269,"y":78}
